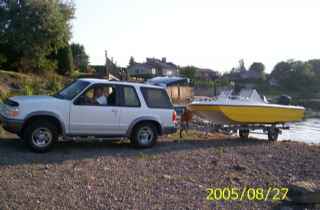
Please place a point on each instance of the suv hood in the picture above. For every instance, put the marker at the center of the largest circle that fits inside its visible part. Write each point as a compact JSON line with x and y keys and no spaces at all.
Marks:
{"x":32,"y":98}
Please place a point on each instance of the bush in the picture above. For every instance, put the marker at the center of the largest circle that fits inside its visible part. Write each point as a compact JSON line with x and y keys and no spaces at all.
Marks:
{"x":28,"y":90}
{"x":65,"y":60}
{"x":75,"y":74}
{"x":54,"y":84}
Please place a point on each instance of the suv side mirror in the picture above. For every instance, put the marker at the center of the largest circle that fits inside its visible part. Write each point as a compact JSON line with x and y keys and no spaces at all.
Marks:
{"x":80,"y":100}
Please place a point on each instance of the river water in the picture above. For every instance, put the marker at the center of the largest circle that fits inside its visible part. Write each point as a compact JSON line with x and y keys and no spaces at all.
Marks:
{"x":307,"y":131}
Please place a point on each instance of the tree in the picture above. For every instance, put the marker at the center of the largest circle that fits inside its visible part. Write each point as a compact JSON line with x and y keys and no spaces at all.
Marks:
{"x":3,"y":59}
{"x":80,"y":57}
{"x":242,"y":67}
{"x":65,"y":61}
{"x":189,"y":72}
{"x":281,"y":71}
{"x":131,"y":61}
{"x":315,"y":65}
{"x":259,"y":69}
{"x":32,"y":30}
{"x":296,"y":76}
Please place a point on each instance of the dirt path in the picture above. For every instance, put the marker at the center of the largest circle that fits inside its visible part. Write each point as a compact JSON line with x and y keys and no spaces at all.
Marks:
{"x":173,"y":175}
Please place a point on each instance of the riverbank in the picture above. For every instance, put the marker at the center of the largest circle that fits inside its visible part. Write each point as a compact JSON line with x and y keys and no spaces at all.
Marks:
{"x":174,"y":174}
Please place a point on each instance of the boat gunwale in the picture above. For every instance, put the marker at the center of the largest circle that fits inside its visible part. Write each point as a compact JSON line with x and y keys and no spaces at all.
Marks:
{"x":252,"y":105}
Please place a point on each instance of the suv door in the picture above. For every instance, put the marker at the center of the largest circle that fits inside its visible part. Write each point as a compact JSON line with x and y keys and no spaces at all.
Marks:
{"x":130,"y":106}
{"x":96,"y":112}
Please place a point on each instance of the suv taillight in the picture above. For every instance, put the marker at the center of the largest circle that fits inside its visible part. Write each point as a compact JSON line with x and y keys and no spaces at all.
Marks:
{"x":174,"y":117}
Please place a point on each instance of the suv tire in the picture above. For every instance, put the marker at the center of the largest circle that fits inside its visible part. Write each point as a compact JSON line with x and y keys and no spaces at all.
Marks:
{"x":40,"y":135}
{"x":144,"y":135}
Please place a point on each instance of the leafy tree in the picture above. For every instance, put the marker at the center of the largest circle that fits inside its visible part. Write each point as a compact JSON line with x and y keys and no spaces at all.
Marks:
{"x":131,"y":61}
{"x":32,"y":30}
{"x":65,"y":61}
{"x":281,"y":71}
{"x":80,"y":57}
{"x":296,"y":76}
{"x":3,"y":59}
{"x":258,"y":68}
{"x":315,"y":65}
{"x":189,"y":72}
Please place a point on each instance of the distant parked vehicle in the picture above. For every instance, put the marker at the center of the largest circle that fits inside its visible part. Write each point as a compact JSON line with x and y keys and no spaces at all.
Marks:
{"x":95,"y":108}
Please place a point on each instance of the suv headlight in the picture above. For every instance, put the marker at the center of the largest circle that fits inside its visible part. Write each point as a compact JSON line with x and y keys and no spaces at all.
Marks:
{"x":10,"y":111}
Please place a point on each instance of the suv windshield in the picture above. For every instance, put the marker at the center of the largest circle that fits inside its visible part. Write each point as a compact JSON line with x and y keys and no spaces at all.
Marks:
{"x":72,"y":90}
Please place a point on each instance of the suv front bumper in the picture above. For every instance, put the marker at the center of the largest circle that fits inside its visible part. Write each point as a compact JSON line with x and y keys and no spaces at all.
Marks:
{"x":169,"y":130}
{"x":11,"y":125}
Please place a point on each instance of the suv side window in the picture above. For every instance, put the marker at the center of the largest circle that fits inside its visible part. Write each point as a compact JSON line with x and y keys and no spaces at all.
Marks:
{"x":130,"y":97}
{"x":156,"y":98}
{"x":98,"y":95}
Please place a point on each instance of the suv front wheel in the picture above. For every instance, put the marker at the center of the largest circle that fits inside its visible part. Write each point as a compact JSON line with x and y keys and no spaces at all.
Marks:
{"x":144,"y":135}
{"x":40,"y":136}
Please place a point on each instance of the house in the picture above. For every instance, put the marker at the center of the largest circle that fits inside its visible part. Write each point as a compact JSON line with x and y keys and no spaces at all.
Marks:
{"x":206,"y":74}
{"x":245,"y":76}
{"x":151,"y":68}
{"x":250,"y":75}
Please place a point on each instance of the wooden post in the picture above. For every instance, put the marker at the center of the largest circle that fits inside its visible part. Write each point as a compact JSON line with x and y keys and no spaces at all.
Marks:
{"x":107,"y":65}
{"x":215,"y":88}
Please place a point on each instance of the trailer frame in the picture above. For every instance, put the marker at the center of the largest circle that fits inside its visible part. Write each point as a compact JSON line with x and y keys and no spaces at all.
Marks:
{"x":272,"y":130}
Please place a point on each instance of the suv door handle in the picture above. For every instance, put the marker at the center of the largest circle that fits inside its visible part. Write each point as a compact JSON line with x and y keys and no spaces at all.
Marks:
{"x":114,"y":110}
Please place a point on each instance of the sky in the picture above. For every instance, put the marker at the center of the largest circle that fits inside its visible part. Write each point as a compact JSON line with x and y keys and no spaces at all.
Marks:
{"x":213,"y":34}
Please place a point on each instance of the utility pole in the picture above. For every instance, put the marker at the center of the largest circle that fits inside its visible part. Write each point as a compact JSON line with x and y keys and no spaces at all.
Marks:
{"x":107,"y":65}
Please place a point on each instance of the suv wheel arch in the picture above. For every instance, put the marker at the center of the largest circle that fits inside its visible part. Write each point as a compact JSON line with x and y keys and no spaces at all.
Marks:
{"x":45,"y":117}
{"x":135,"y":123}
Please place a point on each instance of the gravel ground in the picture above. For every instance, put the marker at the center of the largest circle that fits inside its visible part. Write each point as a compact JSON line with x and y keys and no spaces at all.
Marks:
{"x":172,"y":175}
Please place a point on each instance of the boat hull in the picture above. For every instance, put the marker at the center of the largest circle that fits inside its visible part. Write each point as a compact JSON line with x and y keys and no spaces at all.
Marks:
{"x":248,"y":114}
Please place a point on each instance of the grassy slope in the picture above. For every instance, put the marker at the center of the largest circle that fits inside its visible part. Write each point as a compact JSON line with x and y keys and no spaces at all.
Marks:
{"x":14,"y":83}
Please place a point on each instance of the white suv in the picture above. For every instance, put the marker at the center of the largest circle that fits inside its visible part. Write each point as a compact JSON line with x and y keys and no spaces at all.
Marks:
{"x":93,"y":108}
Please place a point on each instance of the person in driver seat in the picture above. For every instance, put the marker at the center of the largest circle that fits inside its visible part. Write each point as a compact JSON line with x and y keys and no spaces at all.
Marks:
{"x":99,"y":97}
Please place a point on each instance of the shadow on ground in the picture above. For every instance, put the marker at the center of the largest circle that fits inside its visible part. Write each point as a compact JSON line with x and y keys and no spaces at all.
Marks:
{"x":14,"y":152}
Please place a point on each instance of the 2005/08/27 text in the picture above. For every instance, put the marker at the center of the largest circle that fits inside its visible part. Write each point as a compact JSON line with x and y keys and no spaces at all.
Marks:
{"x":247,"y":193}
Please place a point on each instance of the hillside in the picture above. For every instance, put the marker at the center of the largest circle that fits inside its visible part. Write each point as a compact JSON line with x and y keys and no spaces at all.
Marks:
{"x":13,"y":83}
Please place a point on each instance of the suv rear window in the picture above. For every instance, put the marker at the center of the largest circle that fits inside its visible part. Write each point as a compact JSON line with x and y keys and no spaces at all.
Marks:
{"x":156,"y":98}
{"x":130,"y":97}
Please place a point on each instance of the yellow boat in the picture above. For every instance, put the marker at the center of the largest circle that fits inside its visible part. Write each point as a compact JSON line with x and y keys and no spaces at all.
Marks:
{"x":245,"y":108}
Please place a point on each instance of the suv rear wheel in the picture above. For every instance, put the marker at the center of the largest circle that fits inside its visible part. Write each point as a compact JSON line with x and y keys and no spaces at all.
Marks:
{"x":144,"y":135}
{"x":40,"y":136}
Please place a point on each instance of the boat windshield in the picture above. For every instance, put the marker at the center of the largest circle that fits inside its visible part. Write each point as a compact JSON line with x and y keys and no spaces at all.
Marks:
{"x":243,"y":94}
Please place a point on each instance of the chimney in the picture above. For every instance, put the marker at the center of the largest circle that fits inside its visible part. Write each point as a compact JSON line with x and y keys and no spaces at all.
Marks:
{"x":164,"y":60}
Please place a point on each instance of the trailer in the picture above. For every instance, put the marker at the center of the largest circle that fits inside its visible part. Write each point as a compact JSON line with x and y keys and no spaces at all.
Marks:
{"x":243,"y":130}
{"x":271,"y":130}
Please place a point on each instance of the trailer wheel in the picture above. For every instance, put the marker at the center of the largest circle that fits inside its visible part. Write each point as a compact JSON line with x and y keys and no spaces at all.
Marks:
{"x":273,"y":134}
{"x":244,"y":133}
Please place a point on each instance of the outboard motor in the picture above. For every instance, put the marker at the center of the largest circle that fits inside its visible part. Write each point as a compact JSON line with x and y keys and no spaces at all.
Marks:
{"x":284,"y":100}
